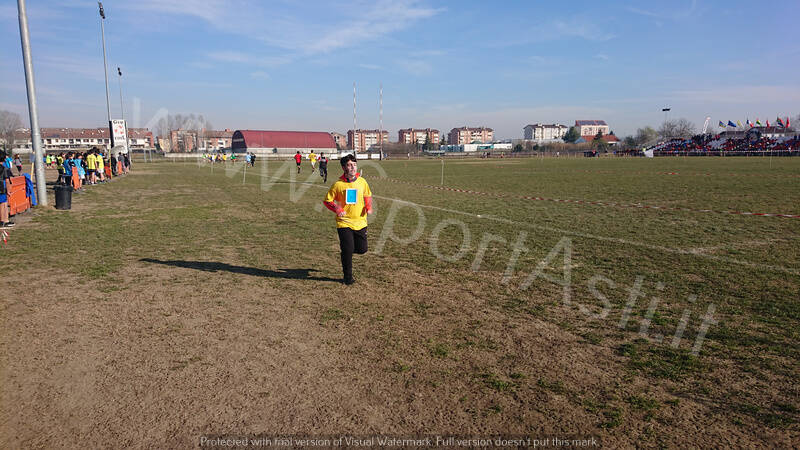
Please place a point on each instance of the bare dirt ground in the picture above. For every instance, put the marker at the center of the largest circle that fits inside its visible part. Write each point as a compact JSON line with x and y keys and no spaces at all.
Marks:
{"x":233,"y":337}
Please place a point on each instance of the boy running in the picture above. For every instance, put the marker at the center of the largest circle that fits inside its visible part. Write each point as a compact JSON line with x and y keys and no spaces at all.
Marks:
{"x":313,"y":158}
{"x":323,"y":167}
{"x":351,"y":199}
{"x":298,"y":159}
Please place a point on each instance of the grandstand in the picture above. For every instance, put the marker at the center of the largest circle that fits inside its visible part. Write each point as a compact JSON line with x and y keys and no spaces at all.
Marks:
{"x":757,"y":141}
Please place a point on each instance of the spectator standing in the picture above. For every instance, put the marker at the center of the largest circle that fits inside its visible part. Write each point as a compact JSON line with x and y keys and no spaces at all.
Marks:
{"x":5,"y":173}
{"x":18,"y":163}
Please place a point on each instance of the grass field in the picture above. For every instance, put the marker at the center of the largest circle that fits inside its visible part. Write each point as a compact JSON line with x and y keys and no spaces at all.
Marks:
{"x":625,"y":299}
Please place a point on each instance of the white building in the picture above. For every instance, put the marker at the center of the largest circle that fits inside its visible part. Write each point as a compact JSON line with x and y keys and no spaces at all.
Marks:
{"x":591,"y":127}
{"x":64,"y":139}
{"x":544,"y":133}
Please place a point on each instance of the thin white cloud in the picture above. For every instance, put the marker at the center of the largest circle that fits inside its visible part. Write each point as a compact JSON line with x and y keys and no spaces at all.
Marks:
{"x":249,"y":59}
{"x":673,"y":13}
{"x":417,"y":68}
{"x":260,"y":75}
{"x":370,"y":66}
{"x":602,"y":56}
{"x":324,"y":29}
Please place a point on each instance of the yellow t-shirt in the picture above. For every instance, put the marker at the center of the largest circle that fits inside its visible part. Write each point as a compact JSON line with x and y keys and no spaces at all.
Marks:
{"x":100,"y":164}
{"x":312,"y":157}
{"x":91,"y":161}
{"x":350,"y":197}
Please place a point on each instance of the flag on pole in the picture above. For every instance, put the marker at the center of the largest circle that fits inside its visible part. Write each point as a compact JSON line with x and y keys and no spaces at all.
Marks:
{"x":731,"y":124}
{"x":767,"y":123}
{"x":780,"y":122}
{"x":721,"y":125}
{"x":787,"y":121}
{"x":758,"y":122}
{"x":748,"y":123}
{"x":739,"y":123}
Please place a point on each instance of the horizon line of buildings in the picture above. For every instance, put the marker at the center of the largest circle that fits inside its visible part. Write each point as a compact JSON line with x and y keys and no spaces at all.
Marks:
{"x":361,"y":140}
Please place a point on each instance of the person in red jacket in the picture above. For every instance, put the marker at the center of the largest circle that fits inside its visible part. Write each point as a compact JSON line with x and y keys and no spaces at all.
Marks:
{"x":297,"y":159}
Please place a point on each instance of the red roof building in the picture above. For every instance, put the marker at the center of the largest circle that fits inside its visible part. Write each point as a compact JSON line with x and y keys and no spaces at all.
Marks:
{"x":282,"y":141}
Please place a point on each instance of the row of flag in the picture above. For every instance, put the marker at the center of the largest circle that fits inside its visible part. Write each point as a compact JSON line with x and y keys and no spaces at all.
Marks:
{"x":780,"y":123}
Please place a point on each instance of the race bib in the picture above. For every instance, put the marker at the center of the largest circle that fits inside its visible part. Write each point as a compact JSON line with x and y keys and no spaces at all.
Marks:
{"x":351,"y":196}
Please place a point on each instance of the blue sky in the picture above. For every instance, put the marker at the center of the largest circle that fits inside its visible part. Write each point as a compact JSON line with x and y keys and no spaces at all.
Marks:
{"x":291,"y":64}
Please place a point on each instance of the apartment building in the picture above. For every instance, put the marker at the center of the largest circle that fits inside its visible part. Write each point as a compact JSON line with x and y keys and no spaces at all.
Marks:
{"x":544,"y":132}
{"x":365,"y":140}
{"x":467,"y":135}
{"x":62,"y":139}
{"x":591,"y":127}
{"x":339,"y":139}
{"x":418,"y":136}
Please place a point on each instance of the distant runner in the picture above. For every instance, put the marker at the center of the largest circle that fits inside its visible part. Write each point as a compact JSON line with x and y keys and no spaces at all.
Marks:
{"x":298,"y":158}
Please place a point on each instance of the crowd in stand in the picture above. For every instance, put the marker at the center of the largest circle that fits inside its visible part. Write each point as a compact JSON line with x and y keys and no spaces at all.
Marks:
{"x":710,"y":143}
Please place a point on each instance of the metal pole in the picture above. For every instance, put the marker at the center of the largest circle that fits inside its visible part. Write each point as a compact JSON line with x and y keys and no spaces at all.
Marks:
{"x":122,"y":111}
{"x":354,"y":118}
{"x":381,"y":120}
{"x":105,"y":64}
{"x":36,"y":136}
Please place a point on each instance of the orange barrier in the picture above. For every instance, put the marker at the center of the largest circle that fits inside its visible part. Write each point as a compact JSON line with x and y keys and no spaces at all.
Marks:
{"x":119,"y":168}
{"x":76,"y":180}
{"x":17,"y":200}
{"x":107,"y":170}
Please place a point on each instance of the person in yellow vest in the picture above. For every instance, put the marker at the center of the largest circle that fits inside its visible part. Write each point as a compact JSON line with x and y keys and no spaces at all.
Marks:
{"x":351,"y":199}
{"x":313,"y":158}
{"x":101,"y":166}
{"x":91,"y":166}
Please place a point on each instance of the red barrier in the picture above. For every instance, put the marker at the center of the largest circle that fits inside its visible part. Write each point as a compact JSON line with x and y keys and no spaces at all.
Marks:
{"x":17,"y":200}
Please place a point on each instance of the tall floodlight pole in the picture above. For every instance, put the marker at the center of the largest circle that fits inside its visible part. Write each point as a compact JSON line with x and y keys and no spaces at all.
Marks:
{"x":122,"y":109}
{"x":354,"y":117}
{"x":36,"y":136}
{"x":121,"y":106}
{"x":665,"y":111}
{"x":380,"y":107}
{"x":105,"y":67}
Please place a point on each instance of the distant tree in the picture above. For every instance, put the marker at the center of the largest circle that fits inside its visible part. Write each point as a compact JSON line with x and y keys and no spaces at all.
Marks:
{"x":9,"y":122}
{"x":598,"y":136}
{"x":572,"y":135}
{"x":630,"y":142}
{"x":518,"y":148}
{"x":680,"y":128}
{"x":646,"y":135}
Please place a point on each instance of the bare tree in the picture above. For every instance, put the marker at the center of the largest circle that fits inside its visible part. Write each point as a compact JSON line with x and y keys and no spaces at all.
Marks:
{"x":680,"y":128}
{"x":9,"y":122}
{"x":646,"y":135}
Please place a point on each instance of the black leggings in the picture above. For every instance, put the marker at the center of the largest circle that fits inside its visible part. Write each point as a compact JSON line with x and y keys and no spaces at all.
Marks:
{"x":351,"y":241}
{"x":323,"y":172}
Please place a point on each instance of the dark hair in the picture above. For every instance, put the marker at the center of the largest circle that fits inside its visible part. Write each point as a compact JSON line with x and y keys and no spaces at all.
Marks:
{"x":347,"y":157}
{"x":2,"y":154}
